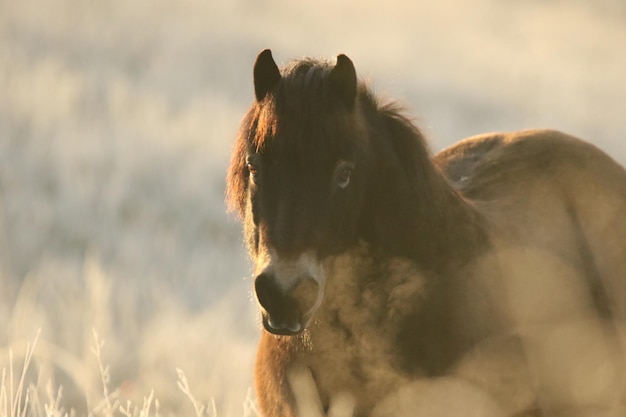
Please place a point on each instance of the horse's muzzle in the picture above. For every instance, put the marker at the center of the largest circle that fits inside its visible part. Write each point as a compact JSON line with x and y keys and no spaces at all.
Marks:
{"x":286,"y":309}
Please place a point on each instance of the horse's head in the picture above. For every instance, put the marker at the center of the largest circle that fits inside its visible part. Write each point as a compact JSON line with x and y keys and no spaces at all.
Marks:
{"x":295,"y":178}
{"x":303,"y":166}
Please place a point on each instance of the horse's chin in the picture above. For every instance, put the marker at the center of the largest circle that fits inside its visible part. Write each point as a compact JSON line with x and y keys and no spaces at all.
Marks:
{"x":291,"y":328}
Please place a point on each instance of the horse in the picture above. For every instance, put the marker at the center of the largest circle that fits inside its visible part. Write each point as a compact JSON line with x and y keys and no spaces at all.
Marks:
{"x":486,"y":280}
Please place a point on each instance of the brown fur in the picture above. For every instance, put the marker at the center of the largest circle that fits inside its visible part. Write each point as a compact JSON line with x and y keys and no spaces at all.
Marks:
{"x":489,"y":278}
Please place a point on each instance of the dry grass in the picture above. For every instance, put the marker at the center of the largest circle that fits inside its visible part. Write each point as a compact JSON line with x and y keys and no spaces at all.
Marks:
{"x":76,"y":363}
{"x":21,"y":396}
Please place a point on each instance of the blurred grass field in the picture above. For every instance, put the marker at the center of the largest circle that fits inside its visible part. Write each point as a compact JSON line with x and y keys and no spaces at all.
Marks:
{"x":116,"y":123}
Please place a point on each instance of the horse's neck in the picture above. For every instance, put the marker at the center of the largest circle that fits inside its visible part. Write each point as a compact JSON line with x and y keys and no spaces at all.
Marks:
{"x":351,"y":343}
{"x":446,"y":230}
{"x":451,"y":233}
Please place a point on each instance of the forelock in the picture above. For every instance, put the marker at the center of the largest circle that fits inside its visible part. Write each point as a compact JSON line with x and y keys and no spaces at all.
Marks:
{"x":303,"y":84}
{"x":300,"y":106}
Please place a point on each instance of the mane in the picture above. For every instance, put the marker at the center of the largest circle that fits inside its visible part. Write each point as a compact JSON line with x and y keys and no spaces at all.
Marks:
{"x":426,"y":210}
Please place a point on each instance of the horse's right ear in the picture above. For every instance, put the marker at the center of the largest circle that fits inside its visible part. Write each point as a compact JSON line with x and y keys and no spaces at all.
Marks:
{"x":266,"y":74}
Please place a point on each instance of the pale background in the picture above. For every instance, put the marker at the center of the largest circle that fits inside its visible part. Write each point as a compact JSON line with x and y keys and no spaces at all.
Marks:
{"x":116,"y":122}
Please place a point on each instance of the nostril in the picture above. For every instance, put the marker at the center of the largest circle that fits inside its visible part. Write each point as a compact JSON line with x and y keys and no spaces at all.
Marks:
{"x":267,"y":291}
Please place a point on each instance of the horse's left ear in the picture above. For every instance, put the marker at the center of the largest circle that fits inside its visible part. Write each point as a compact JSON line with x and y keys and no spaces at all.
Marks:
{"x":343,"y":80}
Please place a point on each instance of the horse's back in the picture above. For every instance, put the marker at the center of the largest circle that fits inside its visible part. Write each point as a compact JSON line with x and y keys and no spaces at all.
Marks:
{"x":496,"y":163}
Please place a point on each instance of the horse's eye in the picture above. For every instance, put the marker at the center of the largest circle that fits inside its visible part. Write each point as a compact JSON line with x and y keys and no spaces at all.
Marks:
{"x":253,"y":164}
{"x":343,"y":173}
{"x":252,"y":169}
{"x":343,"y":178}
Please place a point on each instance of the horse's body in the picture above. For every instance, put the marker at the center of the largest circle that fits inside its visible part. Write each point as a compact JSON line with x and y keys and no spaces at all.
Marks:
{"x":488,"y":280}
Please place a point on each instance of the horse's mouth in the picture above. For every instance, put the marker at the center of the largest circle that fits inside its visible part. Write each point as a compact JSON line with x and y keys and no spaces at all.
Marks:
{"x":282,"y":327}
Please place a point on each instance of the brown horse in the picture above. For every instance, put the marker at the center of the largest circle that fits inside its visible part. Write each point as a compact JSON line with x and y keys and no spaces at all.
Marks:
{"x":488,"y":280}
